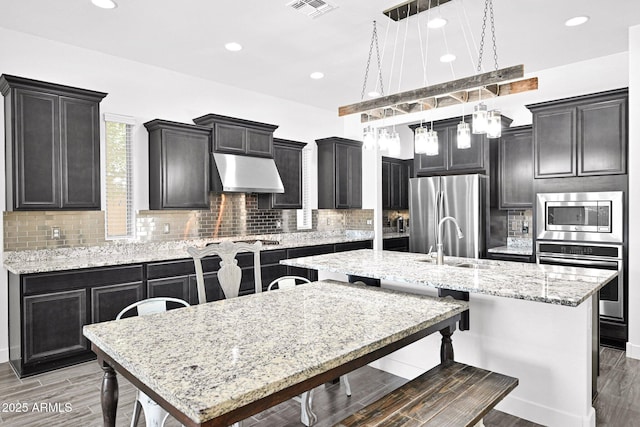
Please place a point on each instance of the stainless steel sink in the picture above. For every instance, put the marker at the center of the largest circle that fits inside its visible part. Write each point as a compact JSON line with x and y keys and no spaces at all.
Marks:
{"x":471,"y":265}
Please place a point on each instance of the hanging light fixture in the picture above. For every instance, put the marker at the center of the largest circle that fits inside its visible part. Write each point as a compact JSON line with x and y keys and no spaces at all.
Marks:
{"x":484,"y":122}
{"x":431,"y":146}
{"x":463,"y":140}
{"x":420,"y":140}
{"x":369,"y":138}
{"x":494,"y":124}
{"x":394,"y":143}
{"x":383,"y":139}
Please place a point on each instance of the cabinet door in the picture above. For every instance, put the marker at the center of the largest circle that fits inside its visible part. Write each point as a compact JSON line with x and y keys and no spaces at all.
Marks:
{"x":516,"y":170}
{"x":211,"y":286}
{"x":355,"y":177}
{"x":53,"y":325}
{"x":259,"y":143}
{"x":289,"y":164}
{"x":185,"y":169}
{"x":175,"y":287}
{"x":386,"y":184}
{"x":343,"y":176}
{"x":229,"y":139}
{"x":80,"y":153}
{"x":602,"y":136}
{"x":468,"y":158}
{"x":108,"y":301}
{"x":429,"y":165}
{"x":36,"y":151}
{"x":395,"y":186}
{"x":554,"y":142}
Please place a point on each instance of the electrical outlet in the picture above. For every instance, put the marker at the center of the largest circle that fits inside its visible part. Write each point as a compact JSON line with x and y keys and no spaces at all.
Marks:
{"x":328,"y":221}
{"x":525,"y":227}
{"x":55,"y":233}
{"x":369,"y":221}
{"x":166,"y":228}
{"x":278,"y":224}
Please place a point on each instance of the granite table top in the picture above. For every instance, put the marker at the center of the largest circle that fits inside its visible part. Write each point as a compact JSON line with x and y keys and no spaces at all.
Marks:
{"x":209,"y":359}
{"x":568,"y":286}
{"x":46,"y":260}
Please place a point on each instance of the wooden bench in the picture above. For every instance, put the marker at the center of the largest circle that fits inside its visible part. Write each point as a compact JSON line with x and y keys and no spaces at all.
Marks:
{"x":451,"y":394}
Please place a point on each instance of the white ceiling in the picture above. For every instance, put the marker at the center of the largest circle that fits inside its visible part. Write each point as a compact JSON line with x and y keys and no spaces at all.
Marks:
{"x":282,"y":46}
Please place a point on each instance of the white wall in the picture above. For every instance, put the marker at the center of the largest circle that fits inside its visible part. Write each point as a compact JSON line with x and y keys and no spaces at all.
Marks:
{"x":147,"y":92}
{"x":633,"y":346}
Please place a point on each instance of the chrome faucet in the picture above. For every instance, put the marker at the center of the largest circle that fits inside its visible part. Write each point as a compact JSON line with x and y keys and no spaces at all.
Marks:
{"x":439,"y":245}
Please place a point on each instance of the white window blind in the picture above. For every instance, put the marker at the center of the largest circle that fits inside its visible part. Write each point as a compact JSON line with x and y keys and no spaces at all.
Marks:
{"x":119,"y":221}
{"x":304,"y":214}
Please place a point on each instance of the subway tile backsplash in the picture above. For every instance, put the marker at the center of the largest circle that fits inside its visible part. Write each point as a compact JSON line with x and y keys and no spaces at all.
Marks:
{"x":230,"y":214}
{"x":518,"y":221}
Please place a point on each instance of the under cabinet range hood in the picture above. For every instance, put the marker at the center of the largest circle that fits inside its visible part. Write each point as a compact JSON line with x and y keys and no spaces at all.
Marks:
{"x":246,"y":174}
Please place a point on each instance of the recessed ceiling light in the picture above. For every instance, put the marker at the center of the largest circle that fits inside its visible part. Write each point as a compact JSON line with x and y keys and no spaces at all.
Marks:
{"x":575,"y":21}
{"x":317,"y":75}
{"x":373,"y":94}
{"x":104,"y":4}
{"x":233,"y":46}
{"x":437,"y":23}
{"x":448,"y":57}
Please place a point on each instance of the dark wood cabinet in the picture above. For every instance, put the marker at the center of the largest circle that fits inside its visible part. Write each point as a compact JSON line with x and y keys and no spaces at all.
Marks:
{"x":581,"y":136}
{"x":515,"y":165}
{"x":451,"y":159}
{"x":52,"y":145}
{"x":307,"y":251}
{"x":174,"y":287}
{"x":48,"y":310}
{"x":339,"y":173}
{"x":288,"y":158}
{"x":238,"y":136}
{"x":400,"y":244}
{"x":395,"y":183}
{"x":510,"y":257}
{"x":178,"y":165}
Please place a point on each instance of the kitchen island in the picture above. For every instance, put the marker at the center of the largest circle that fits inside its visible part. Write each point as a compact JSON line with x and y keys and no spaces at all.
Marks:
{"x":529,"y":321}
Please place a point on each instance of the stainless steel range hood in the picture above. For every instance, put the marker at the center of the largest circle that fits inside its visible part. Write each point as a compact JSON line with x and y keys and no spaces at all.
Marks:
{"x":246,"y":174}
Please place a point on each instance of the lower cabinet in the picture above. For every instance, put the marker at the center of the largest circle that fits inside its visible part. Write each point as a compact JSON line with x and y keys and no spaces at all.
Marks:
{"x":174,"y":287}
{"x":400,"y":244}
{"x":48,"y":310}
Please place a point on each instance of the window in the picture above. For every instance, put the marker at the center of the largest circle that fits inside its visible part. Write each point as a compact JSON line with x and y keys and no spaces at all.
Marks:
{"x":304,"y":214}
{"x":119,"y":221}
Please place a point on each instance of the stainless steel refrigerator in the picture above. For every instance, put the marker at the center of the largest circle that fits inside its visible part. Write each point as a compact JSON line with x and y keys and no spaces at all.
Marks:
{"x":464,"y":197}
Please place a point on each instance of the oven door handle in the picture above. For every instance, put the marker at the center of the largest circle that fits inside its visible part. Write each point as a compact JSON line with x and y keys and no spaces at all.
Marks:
{"x":585,"y":263}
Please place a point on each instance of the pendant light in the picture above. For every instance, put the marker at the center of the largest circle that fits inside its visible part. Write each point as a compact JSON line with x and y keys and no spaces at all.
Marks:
{"x":494,"y":124}
{"x":369,"y":138}
{"x":431,"y":146}
{"x":394,"y":143}
{"x":383,"y":139}
{"x":420,"y":140}
{"x":463,"y":139}
{"x":479,"y":118}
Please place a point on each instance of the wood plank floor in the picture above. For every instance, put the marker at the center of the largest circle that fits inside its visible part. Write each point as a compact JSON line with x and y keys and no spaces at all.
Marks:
{"x":78,"y":387}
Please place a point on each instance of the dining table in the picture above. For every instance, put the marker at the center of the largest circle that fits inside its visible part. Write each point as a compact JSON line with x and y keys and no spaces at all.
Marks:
{"x":218,"y":363}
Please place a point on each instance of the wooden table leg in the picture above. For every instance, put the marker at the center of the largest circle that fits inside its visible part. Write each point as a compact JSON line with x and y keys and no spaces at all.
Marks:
{"x":109,"y":395}
{"x":446,"y":347}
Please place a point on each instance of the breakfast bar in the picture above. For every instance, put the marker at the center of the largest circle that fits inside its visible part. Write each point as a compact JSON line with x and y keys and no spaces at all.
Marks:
{"x":218,"y":363}
{"x":533,"y":322}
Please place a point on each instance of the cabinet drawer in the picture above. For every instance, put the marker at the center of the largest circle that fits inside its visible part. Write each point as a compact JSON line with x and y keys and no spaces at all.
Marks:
{"x":352,"y":246}
{"x":272,"y":257}
{"x":310,"y":250}
{"x":78,"y":279}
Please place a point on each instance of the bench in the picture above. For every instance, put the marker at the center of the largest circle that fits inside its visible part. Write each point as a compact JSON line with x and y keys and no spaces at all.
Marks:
{"x":451,"y":394}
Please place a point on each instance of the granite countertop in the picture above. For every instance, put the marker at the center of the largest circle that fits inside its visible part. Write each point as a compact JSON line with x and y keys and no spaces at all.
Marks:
{"x":40,"y":261}
{"x":235,"y":357}
{"x":567,"y":286}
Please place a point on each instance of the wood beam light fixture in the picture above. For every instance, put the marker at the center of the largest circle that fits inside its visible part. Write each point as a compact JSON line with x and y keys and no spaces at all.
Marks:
{"x":471,"y":89}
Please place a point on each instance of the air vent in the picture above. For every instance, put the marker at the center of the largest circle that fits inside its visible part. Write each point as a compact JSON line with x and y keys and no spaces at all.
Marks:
{"x":312,"y":8}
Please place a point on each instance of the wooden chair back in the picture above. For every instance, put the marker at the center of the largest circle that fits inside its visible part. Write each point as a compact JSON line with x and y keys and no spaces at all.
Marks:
{"x":229,"y":274}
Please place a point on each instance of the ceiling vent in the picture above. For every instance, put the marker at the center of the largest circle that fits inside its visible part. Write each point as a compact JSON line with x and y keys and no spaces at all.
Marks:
{"x":312,"y":8}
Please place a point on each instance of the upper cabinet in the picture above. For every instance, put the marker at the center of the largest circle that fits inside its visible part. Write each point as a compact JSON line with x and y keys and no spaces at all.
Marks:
{"x":339,"y":173}
{"x":515,"y":164}
{"x":238,"y":136}
{"x":395,"y":183}
{"x":581,"y":136}
{"x":451,"y":159}
{"x":52,"y":145}
{"x":178,"y":165}
{"x":288,"y":158}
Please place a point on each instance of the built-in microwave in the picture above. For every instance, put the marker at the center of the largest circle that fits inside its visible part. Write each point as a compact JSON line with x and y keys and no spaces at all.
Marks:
{"x":592,"y":217}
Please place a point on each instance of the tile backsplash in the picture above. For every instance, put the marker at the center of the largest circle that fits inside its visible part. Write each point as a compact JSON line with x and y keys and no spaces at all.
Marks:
{"x":518,"y":221}
{"x":230,"y":214}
